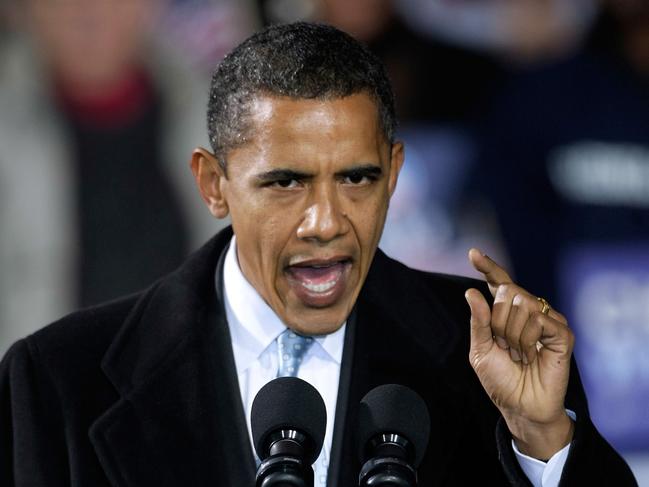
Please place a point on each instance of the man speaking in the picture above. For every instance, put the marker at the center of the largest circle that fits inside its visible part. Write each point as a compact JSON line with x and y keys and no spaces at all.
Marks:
{"x":156,"y":388}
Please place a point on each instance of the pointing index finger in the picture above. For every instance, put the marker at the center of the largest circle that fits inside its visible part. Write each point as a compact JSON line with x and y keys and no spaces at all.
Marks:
{"x":493,"y":273}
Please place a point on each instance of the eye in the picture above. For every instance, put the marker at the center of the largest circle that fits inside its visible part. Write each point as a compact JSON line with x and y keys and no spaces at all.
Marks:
{"x":355,"y":179}
{"x":358,"y":179}
{"x":285,"y":183}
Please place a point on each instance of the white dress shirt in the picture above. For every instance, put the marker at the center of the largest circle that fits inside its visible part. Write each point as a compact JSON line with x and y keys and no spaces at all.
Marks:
{"x":254,"y":328}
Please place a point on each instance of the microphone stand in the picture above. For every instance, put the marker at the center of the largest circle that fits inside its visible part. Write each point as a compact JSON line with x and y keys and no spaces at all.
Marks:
{"x":285,"y":467}
{"x":388,"y":465}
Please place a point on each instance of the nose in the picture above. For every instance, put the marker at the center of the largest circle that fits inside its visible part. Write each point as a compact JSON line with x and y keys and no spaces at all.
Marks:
{"x":324,"y":219}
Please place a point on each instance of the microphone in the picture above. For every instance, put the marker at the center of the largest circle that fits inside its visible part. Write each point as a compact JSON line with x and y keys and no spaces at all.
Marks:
{"x":288,"y":422}
{"x":394,"y":427}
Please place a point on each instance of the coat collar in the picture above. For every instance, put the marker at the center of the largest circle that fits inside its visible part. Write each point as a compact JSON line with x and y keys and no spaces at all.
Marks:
{"x":167,"y":319}
{"x":180,"y":418}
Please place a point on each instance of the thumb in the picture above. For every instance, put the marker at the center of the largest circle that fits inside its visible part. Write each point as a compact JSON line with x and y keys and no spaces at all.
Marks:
{"x":481,"y":333}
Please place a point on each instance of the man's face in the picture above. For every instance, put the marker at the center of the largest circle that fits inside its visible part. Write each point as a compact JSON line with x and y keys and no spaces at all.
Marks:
{"x":308,"y":196}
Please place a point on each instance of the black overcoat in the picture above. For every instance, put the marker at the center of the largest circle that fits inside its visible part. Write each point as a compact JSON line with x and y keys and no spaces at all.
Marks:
{"x":143,"y":391}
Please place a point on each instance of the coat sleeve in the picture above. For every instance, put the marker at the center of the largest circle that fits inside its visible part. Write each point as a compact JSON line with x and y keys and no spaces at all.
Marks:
{"x":32,"y":446}
{"x":591,"y":460}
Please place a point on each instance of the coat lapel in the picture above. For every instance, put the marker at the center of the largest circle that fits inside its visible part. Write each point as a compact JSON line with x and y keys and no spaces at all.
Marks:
{"x":179,"y":420}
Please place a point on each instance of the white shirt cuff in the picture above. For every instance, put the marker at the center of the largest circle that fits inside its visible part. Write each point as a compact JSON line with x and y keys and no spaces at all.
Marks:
{"x":542,"y":474}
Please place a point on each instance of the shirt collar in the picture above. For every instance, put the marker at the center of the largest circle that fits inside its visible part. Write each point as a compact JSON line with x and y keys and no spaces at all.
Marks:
{"x":253,"y":324}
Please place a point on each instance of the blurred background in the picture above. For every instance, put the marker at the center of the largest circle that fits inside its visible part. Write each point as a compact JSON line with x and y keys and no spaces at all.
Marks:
{"x":526,"y":125}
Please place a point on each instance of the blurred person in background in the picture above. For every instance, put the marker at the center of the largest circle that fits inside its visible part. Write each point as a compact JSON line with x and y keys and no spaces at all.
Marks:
{"x":566,"y":147}
{"x":95,"y":196}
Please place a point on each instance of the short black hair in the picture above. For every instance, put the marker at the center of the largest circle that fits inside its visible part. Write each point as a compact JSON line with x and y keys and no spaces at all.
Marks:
{"x":297,"y":60}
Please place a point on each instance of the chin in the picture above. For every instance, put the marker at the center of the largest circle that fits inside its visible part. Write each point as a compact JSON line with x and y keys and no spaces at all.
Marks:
{"x":317,"y":327}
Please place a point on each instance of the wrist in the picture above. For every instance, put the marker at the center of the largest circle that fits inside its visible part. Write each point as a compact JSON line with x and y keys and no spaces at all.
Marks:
{"x":540,"y":440}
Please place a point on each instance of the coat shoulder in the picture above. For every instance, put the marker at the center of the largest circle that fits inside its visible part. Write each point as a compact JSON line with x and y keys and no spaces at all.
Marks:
{"x":83,"y":329}
{"x":75,"y":344}
{"x":415,"y":284}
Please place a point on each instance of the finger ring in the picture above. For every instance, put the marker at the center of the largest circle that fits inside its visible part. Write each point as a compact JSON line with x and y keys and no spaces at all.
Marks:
{"x":546,"y":306}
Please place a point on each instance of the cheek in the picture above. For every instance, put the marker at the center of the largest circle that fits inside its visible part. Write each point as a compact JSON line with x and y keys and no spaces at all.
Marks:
{"x":369,"y":217}
{"x":273,"y":236}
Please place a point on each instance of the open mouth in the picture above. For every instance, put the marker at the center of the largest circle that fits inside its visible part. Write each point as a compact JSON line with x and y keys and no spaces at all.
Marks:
{"x":319,"y":283}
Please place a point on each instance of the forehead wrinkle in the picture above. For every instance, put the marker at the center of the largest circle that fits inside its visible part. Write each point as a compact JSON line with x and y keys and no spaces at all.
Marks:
{"x":264,"y":107}
{"x":297,"y":133}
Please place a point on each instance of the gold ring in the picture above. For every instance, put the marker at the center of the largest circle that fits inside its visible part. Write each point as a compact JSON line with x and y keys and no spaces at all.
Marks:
{"x":546,"y":306}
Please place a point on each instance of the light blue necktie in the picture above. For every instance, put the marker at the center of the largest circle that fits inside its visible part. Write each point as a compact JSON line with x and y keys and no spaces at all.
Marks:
{"x":291,"y":348}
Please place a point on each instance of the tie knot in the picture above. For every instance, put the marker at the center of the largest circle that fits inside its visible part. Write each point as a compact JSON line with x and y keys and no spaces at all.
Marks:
{"x":291,"y":348}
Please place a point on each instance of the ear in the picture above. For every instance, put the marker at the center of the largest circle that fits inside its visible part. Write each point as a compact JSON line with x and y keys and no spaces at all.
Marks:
{"x":397,"y":156}
{"x":210,"y":179}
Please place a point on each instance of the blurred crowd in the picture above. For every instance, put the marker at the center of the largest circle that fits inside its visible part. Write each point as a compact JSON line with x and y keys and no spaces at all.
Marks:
{"x":526,"y":125}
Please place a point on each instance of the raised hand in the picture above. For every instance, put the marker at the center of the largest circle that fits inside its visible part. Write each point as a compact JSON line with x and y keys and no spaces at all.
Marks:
{"x":521,"y":351}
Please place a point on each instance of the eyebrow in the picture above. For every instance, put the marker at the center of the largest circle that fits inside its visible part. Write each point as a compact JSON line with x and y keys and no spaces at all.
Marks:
{"x":281,"y":174}
{"x":371,"y":170}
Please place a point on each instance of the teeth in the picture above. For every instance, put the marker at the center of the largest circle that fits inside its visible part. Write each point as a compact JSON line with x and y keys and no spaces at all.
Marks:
{"x":323,"y":266}
{"x":320,"y":288}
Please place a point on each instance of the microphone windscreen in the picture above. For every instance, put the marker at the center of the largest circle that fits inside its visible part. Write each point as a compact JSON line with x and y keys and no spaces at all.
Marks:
{"x":393,"y":408}
{"x":288,"y":403}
